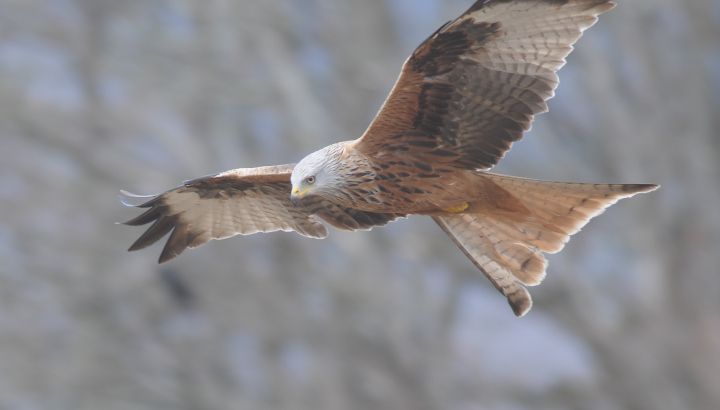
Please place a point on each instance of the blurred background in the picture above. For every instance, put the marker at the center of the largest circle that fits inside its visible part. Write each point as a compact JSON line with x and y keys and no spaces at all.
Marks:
{"x":102,"y":95}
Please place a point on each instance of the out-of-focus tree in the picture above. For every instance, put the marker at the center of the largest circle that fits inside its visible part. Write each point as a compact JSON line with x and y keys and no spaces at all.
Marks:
{"x":101,"y":95}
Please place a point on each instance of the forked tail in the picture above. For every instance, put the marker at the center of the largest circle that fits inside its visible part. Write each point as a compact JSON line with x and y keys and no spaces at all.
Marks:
{"x":505,"y":237}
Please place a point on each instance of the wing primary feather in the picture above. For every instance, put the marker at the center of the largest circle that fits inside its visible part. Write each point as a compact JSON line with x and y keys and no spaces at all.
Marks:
{"x":146,"y":217}
{"x":159,"y":229}
{"x":436,"y":32}
{"x":174,"y":246}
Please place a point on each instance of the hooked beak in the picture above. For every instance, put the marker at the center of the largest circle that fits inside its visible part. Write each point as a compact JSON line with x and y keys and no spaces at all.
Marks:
{"x":296,"y":194}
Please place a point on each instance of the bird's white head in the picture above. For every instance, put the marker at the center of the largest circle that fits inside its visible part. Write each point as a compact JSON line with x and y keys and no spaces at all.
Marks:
{"x":317,"y":172}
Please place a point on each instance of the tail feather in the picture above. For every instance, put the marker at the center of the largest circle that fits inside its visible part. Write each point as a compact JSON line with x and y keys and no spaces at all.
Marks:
{"x":560,"y":209}
{"x":526,"y":263}
{"x":485,"y":257}
{"x":506,"y":242}
{"x":530,"y":232}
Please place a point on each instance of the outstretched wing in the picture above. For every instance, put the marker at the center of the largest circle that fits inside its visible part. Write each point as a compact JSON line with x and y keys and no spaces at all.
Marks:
{"x":242,"y":201}
{"x":471,"y":89}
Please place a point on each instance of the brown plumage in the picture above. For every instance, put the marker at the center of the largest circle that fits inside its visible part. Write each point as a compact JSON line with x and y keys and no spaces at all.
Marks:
{"x":462,"y":98}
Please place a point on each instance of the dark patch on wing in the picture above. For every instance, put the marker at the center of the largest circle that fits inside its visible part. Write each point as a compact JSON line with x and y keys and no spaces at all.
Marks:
{"x":468,"y":119}
{"x":346,"y":218}
{"x":211,"y":186}
{"x":439,"y":54}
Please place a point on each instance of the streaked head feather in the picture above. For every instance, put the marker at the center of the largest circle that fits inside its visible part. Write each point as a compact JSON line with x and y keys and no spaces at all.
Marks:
{"x":322,"y":165}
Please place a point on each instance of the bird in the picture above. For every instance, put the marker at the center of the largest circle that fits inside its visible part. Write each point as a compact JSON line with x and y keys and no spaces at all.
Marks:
{"x":463,"y":97}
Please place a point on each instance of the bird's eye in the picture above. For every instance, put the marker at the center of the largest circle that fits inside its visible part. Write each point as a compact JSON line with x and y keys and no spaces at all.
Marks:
{"x":310,"y":180}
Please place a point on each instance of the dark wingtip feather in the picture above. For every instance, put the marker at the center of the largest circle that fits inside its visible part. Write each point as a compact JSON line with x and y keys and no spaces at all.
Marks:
{"x":178,"y":241}
{"x":160,"y":228}
{"x":145,"y":218}
{"x":169,"y":253}
{"x":163,"y":224}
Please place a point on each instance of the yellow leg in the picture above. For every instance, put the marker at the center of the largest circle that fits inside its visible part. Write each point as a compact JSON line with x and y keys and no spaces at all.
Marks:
{"x":463,"y":206}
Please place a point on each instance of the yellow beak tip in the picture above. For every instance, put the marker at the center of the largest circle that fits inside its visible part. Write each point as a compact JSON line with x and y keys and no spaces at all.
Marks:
{"x":297,"y":192}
